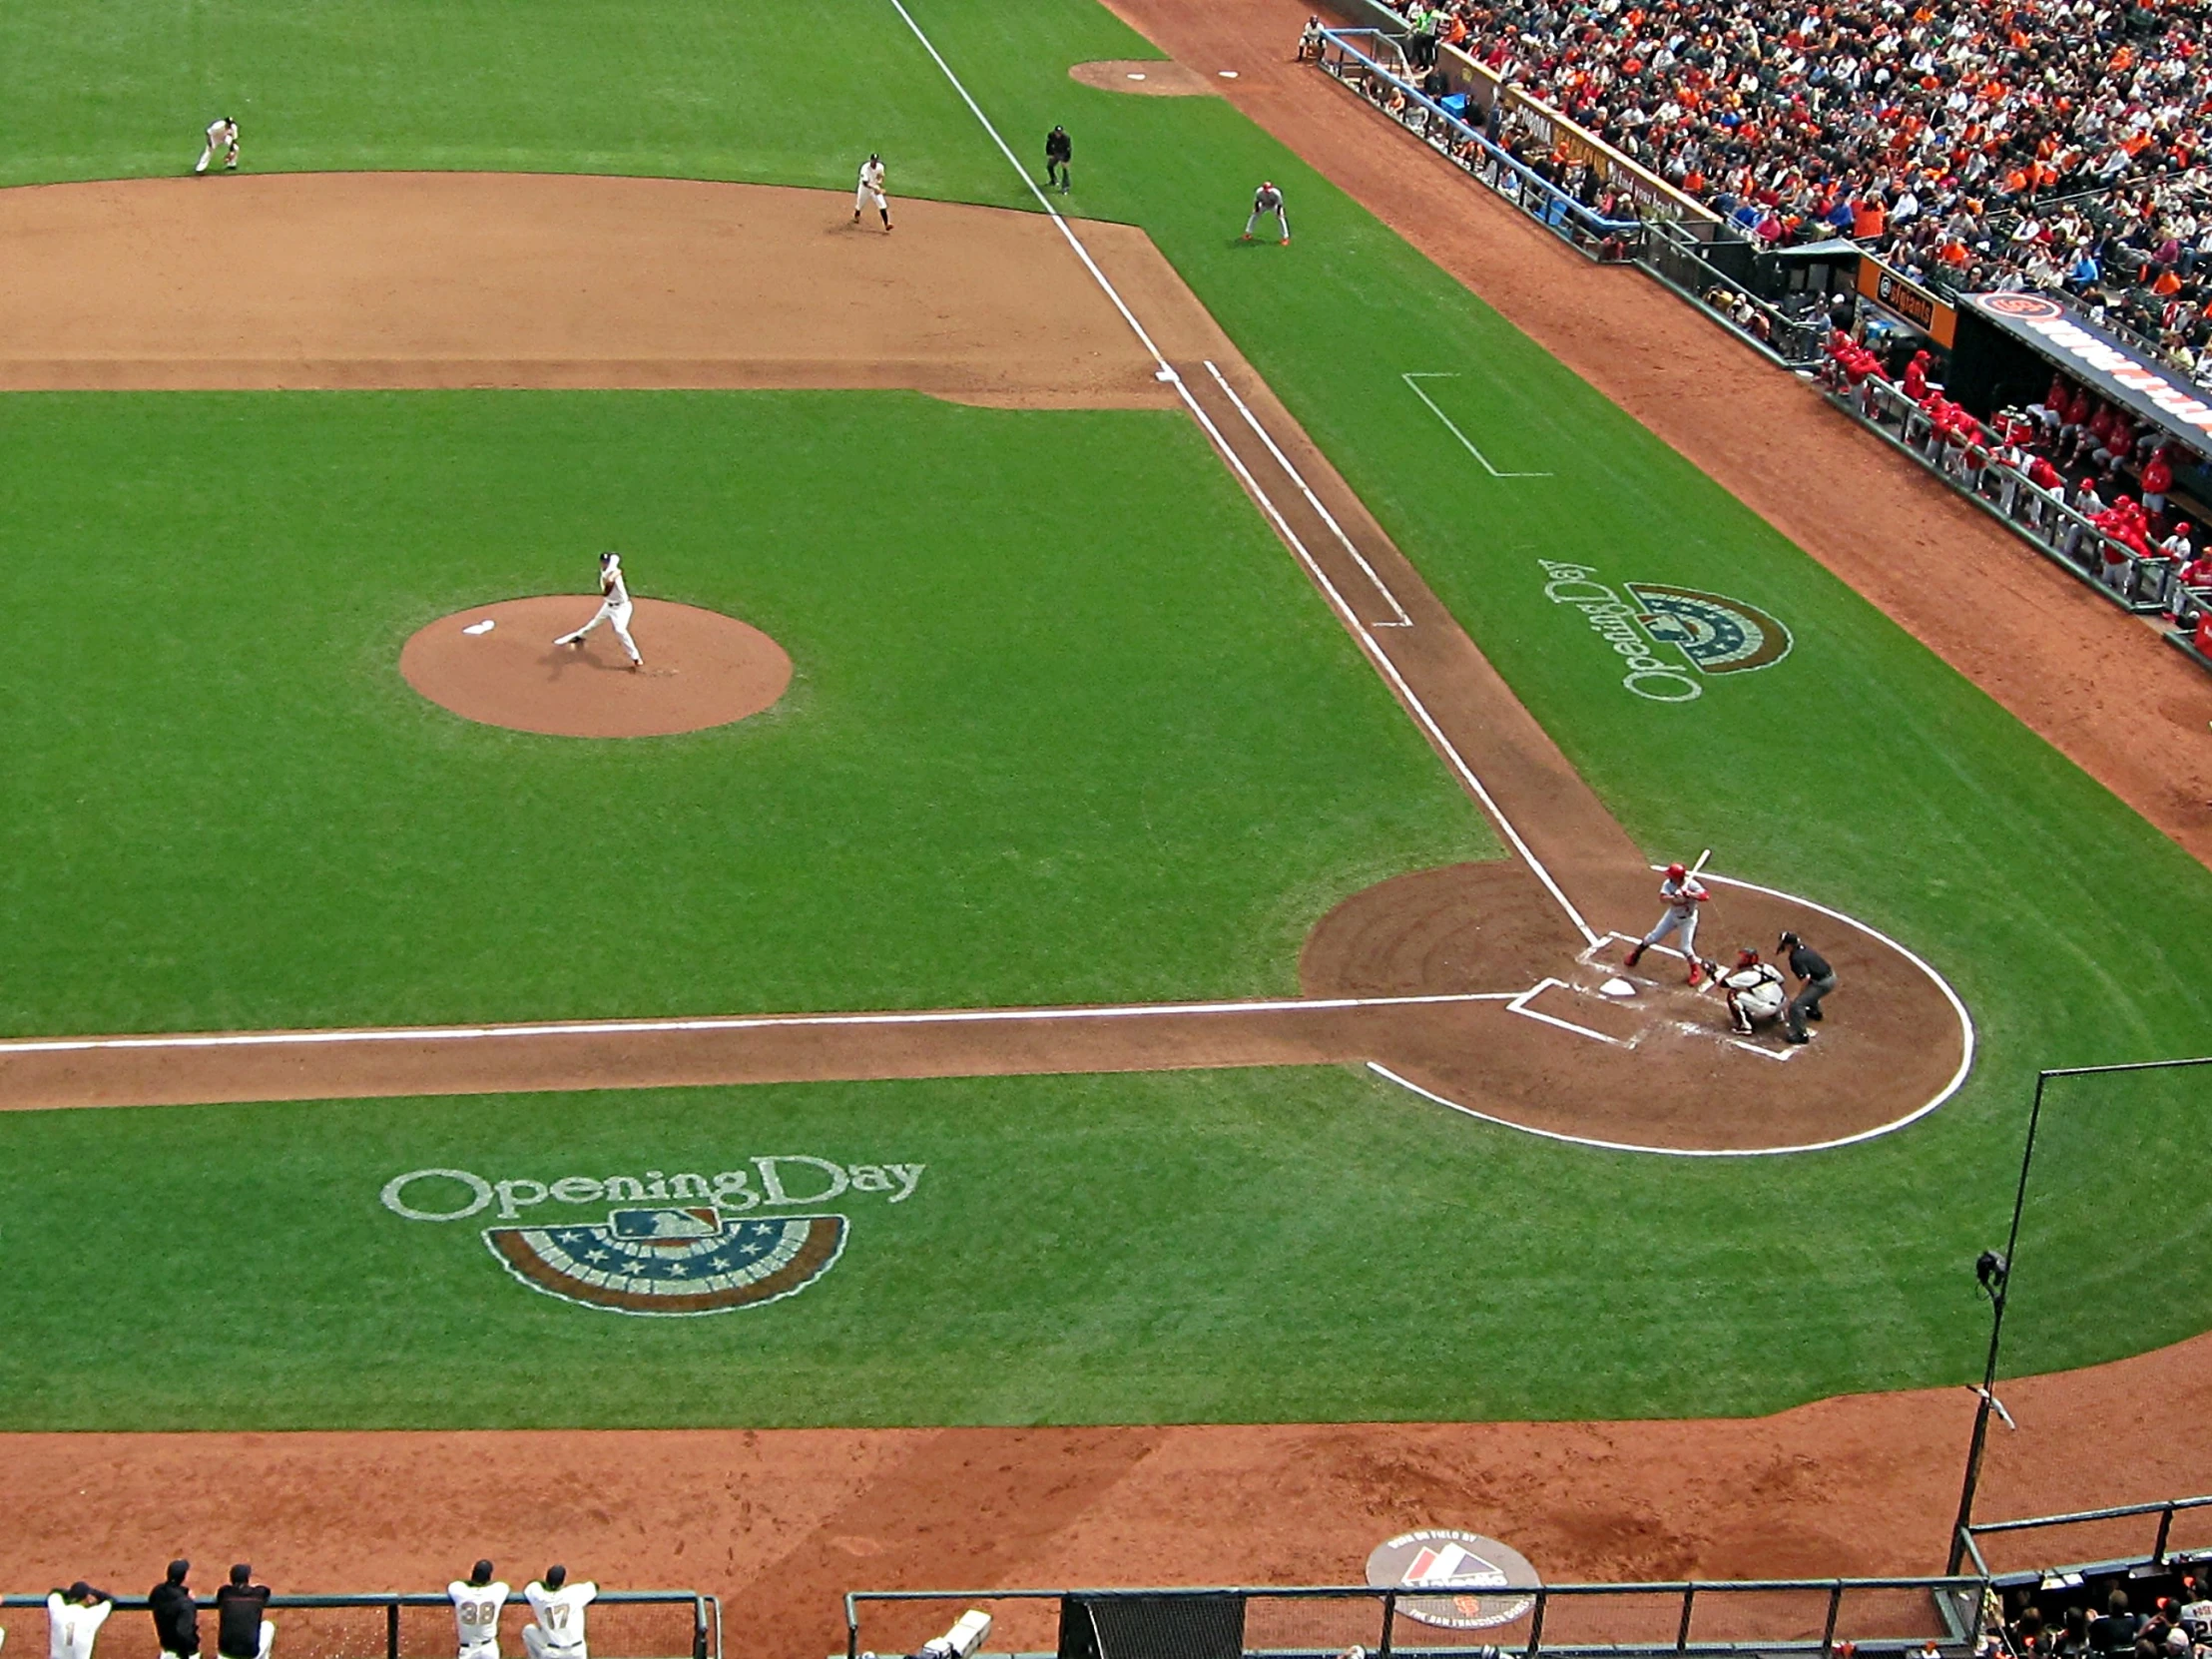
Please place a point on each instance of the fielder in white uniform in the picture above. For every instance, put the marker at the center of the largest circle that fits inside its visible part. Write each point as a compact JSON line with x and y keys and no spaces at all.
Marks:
{"x":1754,"y":990}
{"x":1683,"y":893}
{"x":476,"y":1606}
{"x":871,"y":190}
{"x":557,"y":1606}
{"x":223,"y":134}
{"x":74,"y":1618}
{"x":613,"y":608}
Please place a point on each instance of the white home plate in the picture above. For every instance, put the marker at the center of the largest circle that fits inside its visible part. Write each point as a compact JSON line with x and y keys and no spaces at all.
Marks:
{"x":1228,"y":73}
{"x":483,"y":627}
{"x":1617,"y":988}
{"x":1135,"y":77}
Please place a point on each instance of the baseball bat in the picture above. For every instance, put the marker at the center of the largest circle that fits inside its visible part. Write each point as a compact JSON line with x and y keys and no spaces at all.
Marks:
{"x":1701,"y":858}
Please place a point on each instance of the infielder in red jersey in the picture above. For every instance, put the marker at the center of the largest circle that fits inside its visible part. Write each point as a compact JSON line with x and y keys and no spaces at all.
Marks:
{"x":1683,"y":893}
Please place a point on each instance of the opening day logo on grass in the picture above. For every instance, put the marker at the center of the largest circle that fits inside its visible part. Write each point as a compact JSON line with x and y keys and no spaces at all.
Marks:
{"x":1713,"y":633}
{"x":707,"y":1255}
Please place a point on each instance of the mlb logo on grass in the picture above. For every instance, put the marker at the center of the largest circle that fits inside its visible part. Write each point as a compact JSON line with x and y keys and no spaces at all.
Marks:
{"x":674,"y":1260}
{"x":1713,"y":634}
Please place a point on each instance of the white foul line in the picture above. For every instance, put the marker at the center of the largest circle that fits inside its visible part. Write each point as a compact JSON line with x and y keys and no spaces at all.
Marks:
{"x":725,"y":1022}
{"x":1368,"y":642}
{"x":1454,"y":426}
{"x":1327,"y":517}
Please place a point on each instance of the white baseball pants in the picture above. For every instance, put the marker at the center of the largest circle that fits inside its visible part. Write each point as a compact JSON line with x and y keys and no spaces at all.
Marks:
{"x":616,"y":615}
{"x":1675,"y":921}
{"x":539,"y":1645}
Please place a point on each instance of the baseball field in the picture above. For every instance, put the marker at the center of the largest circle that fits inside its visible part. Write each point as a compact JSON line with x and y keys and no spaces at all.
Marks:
{"x":1071,"y":725}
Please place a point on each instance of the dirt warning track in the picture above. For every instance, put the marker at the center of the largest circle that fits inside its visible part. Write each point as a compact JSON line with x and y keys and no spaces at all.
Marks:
{"x":522,"y":280}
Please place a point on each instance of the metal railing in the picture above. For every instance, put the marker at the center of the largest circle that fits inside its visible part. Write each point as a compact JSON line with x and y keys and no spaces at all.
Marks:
{"x":1472,"y":151}
{"x":698,"y":1635}
{"x":2144,"y":584}
{"x":1809,"y":1616}
{"x":2165,"y":1510}
{"x":1682,"y":261}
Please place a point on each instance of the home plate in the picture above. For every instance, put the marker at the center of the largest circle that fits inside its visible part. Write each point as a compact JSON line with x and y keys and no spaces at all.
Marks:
{"x":1617,"y":988}
{"x":483,"y":627}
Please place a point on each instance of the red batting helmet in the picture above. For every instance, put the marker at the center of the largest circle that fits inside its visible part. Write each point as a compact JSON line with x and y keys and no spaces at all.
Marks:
{"x":1676,"y":871}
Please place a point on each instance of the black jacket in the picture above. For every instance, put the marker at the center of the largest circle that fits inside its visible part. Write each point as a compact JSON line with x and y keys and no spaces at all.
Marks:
{"x":238,"y":1620}
{"x":176,"y":1619}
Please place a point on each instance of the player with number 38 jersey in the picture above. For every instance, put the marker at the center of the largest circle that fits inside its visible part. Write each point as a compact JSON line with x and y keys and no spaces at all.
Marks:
{"x":557,"y":1631}
{"x":476,"y":1607}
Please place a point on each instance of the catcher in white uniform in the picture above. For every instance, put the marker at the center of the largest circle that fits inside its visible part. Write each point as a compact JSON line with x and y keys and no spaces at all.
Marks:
{"x":476,"y":1606}
{"x":871,"y":190}
{"x":557,"y":1629}
{"x":614,"y":607}
{"x":1683,"y":893}
{"x":223,"y":134}
{"x":1754,"y":990}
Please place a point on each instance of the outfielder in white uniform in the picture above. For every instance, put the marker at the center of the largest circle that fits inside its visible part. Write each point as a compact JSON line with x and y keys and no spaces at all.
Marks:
{"x":614,"y":607}
{"x":1268,"y":200}
{"x":476,"y":1606}
{"x":1754,"y":990}
{"x":556,"y":1630}
{"x":223,"y":134}
{"x":871,"y":190}
{"x":1683,"y":893}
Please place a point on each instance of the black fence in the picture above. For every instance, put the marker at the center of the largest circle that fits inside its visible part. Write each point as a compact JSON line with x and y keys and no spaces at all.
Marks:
{"x":624,"y":1624}
{"x":1879,"y":1616}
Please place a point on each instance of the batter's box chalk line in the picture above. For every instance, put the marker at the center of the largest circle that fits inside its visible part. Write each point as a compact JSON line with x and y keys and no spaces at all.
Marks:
{"x":1519,"y":1005}
{"x":1413,"y":380}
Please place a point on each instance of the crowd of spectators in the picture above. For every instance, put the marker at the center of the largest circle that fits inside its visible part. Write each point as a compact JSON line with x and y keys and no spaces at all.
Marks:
{"x":2174,"y":1627}
{"x":1978,"y":144}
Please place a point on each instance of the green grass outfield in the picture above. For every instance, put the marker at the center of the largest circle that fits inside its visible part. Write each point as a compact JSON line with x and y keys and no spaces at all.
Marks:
{"x":1028,"y":757}
{"x":1224,"y":1245}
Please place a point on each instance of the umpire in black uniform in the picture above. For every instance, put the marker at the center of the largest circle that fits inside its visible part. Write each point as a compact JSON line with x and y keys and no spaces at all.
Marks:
{"x":1816,"y":978}
{"x":1059,"y":150}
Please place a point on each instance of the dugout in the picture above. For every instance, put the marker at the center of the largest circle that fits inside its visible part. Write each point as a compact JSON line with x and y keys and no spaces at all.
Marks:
{"x":2009,"y":345}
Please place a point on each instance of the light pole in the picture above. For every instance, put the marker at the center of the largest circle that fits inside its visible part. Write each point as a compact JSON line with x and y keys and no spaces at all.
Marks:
{"x":1996,"y":1274}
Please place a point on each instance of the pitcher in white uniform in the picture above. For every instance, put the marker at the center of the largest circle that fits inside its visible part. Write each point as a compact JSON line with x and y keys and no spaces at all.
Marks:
{"x":613,"y":608}
{"x":556,"y":1630}
{"x":476,"y":1605}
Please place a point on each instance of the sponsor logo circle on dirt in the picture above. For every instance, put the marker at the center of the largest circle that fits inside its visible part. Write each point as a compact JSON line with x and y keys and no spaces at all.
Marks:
{"x":1480,"y":1582}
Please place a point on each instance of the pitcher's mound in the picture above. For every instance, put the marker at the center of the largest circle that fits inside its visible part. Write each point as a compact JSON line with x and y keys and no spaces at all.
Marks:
{"x":701,"y":669}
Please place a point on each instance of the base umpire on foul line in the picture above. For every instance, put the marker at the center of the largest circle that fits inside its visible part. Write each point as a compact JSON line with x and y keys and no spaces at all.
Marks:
{"x":1817,"y":980}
